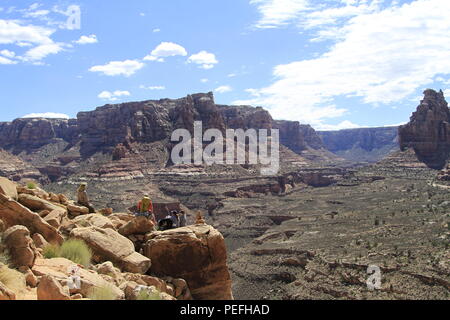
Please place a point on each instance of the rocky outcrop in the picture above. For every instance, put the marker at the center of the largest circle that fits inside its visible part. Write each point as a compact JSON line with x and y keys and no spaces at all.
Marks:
{"x":20,"y":246}
{"x":428,"y":131}
{"x":13,"y":213}
{"x":60,"y":270}
{"x":8,"y":188}
{"x":51,"y":289}
{"x":109,"y":245}
{"x":194,"y":253}
{"x":15,"y":169}
{"x":364,"y":144}
{"x":28,"y":134}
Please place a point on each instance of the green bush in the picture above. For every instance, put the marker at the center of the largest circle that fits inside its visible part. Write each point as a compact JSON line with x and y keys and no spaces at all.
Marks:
{"x":51,"y":251}
{"x":146,"y":295}
{"x":76,"y":251}
{"x":73,"y":249}
{"x":102,"y":293}
{"x":31,"y":185}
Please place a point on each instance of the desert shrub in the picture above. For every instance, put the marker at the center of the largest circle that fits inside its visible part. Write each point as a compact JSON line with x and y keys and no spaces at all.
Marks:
{"x":147,"y":295}
{"x":76,"y":251}
{"x":31,"y":185}
{"x":102,"y":293}
{"x":51,"y":251}
{"x":73,"y":249}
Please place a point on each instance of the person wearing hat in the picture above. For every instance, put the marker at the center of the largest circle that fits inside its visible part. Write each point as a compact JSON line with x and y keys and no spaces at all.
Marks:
{"x":83,"y":199}
{"x":145,"y":208}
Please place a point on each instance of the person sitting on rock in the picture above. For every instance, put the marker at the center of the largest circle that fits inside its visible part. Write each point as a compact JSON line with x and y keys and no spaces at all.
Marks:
{"x":165,"y":224}
{"x":145,"y":208}
{"x":183,"y":219}
{"x":83,"y":199}
{"x":175,"y":219}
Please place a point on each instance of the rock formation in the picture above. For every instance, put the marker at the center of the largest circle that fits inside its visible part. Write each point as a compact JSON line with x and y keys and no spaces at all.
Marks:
{"x":196,"y":254}
{"x":428,"y":131}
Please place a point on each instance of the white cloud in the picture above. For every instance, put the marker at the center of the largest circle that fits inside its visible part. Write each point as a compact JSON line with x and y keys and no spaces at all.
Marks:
{"x":49,"y":115}
{"x":153,"y":58}
{"x":12,"y":32}
{"x":87,"y":39}
{"x":116,"y":68}
{"x":341,"y":126}
{"x":113,"y":96}
{"x":152,"y":87}
{"x":166,"y":49}
{"x":277,"y":13}
{"x":40,"y":52}
{"x":4,"y":60}
{"x":382,"y":56}
{"x":7,"y":53}
{"x":204,"y":59}
{"x":156,"y":30}
{"x":223,"y":89}
{"x":204,"y":80}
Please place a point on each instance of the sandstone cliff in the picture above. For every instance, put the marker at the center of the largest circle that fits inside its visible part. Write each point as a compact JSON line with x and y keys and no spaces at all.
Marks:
{"x":428,"y":131}
{"x":364,"y":144}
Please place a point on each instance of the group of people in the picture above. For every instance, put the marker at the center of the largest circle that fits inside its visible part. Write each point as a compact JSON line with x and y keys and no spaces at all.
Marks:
{"x":173,"y":219}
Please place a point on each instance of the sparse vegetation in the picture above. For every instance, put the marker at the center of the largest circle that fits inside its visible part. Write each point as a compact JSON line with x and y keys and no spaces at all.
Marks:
{"x":51,"y":251}
{"x":76,"y":251}
{"x":102,"y":293}
{"x":72,"y":249}
{"x":147,"y":295}
{"x":31,"y":185}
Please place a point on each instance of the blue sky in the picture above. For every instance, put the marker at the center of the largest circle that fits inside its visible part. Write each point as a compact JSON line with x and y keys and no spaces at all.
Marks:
{"x":333,"y":63}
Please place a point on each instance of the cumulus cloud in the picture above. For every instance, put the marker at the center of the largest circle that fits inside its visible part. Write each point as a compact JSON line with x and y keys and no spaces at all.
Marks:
{"x":117,"y":68}
{"x":87,"y":39}
{"x":381,"y":55}
{"x":204,"y":59}
{"x":223,"y":89}
{"x":166,"y":49}
{"x":48,"y":115}
{"x":113,"y":96}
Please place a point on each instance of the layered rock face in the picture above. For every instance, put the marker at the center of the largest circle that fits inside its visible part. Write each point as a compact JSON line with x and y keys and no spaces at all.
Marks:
{"x":365,"y":144}
{"x":28,"y":134}
{"x":428,"y":131}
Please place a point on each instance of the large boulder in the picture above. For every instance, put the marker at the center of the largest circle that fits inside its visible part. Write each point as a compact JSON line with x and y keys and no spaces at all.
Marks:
{"x":93,"y":220}
{"x":194,"y":253}
{"x":6,"y":293}
{"x":139,"y":225}
{"x":109,"y":245}
{"x":50,"y":289}
{"x":13,"y":213}
{"x":20,"y":246}
{"x":8,"y":188}
{"x":62,"y":269}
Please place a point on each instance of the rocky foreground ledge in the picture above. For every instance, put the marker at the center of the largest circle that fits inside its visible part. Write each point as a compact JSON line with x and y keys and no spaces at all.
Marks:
{"x":127,"y":256}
